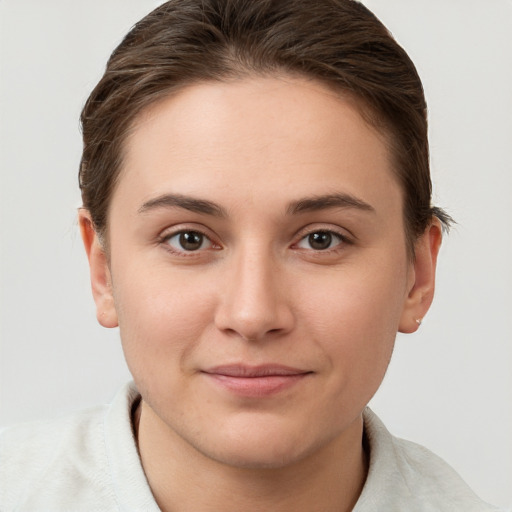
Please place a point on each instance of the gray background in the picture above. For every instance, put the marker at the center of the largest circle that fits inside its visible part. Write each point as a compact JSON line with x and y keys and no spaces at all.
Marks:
{"x":449,"y":386}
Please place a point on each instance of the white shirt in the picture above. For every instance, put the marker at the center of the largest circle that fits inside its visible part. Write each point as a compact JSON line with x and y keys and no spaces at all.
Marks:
{"x":89,"y":462}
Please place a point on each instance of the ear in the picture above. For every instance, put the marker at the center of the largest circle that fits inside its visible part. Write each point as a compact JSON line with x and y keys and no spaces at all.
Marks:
{"x":101,"y":281}
{"x":421,"y":278}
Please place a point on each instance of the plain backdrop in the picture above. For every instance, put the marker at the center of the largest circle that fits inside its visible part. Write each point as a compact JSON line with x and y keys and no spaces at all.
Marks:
{"x":449,"y":386}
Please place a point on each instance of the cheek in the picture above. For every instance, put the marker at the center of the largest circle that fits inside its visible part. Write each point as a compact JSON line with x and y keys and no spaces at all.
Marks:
{"x":162,"y":316}
{"x":357,"y":301}
{"x":356,"y":321}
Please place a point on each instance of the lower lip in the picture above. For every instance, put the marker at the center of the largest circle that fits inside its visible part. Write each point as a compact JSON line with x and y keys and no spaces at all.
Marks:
{"x":256,"y":387}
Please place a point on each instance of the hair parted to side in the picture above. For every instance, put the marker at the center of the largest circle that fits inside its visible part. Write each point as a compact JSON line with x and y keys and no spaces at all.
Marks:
{"x":337,"y":42}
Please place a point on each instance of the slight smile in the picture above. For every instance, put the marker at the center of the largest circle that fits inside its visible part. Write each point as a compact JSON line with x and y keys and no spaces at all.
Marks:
{"x":255,"y":381}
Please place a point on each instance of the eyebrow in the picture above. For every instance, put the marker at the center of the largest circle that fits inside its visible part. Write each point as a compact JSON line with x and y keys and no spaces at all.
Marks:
{"x":186,"y":202}
{"x":304,"y":205}
{"x":316,"y":203}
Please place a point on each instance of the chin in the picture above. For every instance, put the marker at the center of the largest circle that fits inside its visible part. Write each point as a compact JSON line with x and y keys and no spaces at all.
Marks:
{"x":256,"y":458}
{"x":259,"y":446}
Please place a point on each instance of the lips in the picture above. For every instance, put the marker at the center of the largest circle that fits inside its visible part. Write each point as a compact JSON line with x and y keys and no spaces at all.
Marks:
{"x":255,"y":381}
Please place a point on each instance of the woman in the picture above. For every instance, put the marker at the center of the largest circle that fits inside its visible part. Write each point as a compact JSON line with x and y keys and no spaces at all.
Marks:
{"x":258,"y":222}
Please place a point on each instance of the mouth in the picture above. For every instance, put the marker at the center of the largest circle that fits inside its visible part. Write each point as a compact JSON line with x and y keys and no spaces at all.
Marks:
{"x":255,"y":381}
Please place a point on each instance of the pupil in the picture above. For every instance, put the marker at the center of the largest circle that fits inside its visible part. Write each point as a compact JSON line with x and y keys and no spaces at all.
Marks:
{"x":320,"y":241}
{"x":191,"y":240}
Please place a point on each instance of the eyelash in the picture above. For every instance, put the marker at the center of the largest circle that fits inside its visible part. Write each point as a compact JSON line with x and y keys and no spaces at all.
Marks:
{"x":332,"y":234}
{"x":165,"y":240}
{"x":183,"y":252}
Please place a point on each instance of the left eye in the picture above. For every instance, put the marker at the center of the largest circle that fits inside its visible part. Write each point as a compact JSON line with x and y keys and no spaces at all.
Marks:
{"x":320,"y":241}
{"x":189,"y":241}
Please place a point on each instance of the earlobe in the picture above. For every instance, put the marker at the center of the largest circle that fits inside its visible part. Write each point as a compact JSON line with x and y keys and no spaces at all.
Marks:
{"x":101,"y":282}
{"x":422,"y":278}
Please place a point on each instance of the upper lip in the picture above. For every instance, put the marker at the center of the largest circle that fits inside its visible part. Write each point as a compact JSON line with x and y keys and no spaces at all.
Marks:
{"x":264,"y":370}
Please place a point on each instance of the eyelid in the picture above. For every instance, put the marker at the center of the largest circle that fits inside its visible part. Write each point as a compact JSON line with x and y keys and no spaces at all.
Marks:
{"x":336,"y":239}
{"x":170,"y":232}
{"x":206,"y":243}
{"x":342,"y":233}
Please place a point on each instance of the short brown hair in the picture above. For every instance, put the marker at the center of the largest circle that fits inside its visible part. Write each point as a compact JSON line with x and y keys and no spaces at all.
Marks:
{"x":338,"y":42}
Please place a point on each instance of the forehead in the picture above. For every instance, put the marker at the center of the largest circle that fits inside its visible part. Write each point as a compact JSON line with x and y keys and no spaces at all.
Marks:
{"x":271,"y":137}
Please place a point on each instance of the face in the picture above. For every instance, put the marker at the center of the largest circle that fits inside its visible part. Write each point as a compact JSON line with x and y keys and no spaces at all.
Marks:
{"x":258,"y":268}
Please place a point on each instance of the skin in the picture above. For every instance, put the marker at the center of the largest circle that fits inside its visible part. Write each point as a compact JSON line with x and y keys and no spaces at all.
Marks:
{"x":273,"y":160}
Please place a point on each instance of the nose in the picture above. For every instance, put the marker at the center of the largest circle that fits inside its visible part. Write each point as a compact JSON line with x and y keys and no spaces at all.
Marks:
{"x":255,"y":303}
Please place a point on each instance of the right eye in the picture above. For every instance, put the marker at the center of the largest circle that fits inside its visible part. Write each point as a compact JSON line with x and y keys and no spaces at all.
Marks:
{"x":188,"y":241}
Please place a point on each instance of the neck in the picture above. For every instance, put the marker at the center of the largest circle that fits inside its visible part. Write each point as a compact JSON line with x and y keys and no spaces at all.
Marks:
{"x":185,"y":480}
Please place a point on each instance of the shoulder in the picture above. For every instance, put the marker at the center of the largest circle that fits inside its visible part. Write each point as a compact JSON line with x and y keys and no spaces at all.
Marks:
{"x":61,"y":457}
{"x":406,"y":476}
{"x":72,"y":463}
{"x":43,"y":440}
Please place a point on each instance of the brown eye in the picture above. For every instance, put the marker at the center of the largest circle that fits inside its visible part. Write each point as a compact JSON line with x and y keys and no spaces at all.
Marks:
{"x":189,"y":241}
{"x":320,"y":241}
